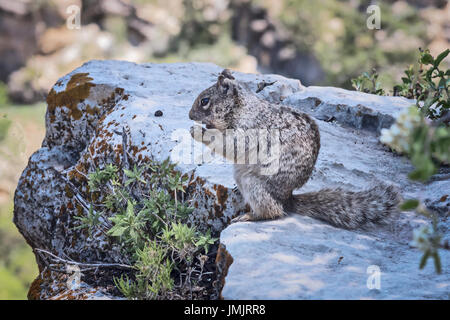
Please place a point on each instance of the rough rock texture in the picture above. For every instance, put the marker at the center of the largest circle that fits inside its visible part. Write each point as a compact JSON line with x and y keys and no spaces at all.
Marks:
{"x":302,"y":258}
{"x":89,"y":109}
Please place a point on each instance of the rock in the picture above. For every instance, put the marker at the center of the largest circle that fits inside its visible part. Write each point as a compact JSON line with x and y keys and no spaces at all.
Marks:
{"x":301,"y":258}
{"x":56,"y":286}
{"x":91,"y":108}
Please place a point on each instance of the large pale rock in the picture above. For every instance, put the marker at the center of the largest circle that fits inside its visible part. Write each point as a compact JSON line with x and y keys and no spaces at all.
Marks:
{"x":301,"y":258}
{"x":90,"y":108}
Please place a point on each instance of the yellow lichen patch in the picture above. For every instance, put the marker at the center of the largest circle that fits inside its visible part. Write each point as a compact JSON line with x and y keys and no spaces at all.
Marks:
{"x":76,"y":91}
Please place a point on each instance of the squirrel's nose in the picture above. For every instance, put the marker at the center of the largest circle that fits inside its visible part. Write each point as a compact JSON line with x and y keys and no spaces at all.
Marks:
{"x":191,"y":115}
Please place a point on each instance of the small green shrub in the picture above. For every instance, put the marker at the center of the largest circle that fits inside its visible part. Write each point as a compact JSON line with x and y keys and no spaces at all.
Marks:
{"x":153,"y":276}
{"x":368,"y":83}
{"x":90,"y":221}
{"x":150,"y":223}
{"x":425,"y":142}
{"x":429,"y":85}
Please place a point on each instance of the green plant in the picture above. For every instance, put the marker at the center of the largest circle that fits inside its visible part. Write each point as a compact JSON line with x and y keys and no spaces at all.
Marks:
{"x":153,"y":278}
{"x":150,"y":223}
{"x":429,"y":85}
{"x":427,"y":144}
{"x":90,"y":221}
{"x":368,"y":83}
{"x":205,"y":241}
{"x":409,"y":86}
{"x":99,"y":177}
{"x":129,"y":226}
{"x":134,"y":175}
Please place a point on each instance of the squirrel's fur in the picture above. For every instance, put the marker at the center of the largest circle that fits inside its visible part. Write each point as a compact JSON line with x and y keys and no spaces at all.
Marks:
{"x":227,"y":105}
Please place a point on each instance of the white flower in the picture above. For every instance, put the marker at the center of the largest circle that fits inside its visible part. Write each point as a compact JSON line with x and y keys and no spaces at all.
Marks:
{"x":395,"y":130}
{"x":386,"y":136}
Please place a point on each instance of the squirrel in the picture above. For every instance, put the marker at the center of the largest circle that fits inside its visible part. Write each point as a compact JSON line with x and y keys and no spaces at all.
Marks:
{"x":228,"y":105}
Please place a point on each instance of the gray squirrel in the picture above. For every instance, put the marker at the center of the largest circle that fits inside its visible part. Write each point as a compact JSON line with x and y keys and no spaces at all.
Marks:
{"x":227,"y":105}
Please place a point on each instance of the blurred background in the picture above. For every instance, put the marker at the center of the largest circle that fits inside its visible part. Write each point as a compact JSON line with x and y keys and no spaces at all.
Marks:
{"x":321,"y":42}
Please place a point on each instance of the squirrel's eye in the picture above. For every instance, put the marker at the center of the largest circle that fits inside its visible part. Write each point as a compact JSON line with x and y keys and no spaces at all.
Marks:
{"x":204,"y":101}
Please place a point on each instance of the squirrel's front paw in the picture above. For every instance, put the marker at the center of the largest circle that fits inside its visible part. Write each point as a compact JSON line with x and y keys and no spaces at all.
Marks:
{"x":197,"y":132}
{"x":191,"y":131}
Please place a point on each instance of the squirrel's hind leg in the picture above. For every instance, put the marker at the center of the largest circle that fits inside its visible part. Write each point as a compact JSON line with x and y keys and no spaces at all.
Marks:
{"x":263,"y":205}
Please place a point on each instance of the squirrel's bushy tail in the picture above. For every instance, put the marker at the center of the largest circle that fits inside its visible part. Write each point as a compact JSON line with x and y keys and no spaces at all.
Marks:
{"x":347,"y":209}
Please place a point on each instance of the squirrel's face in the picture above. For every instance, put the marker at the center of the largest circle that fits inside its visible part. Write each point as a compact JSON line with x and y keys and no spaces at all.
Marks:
{"x":215,"y":105}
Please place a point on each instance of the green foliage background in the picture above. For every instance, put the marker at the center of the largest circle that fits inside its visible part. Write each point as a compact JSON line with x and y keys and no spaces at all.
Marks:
{"x":337,"y":34}
{"x":17,"y":264}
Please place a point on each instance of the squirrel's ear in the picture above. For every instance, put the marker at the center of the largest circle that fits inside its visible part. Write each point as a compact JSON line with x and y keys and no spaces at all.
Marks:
{"x":227,"y":74}
{"x":224,"y":83}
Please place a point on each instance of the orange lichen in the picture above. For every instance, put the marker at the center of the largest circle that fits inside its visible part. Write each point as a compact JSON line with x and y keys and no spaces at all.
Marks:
{"x":69,"y":192}
{"x":77,"y":89}
{"x":222,"y":194}
{"x":79,"y":173}
{"x":223,"y":263}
